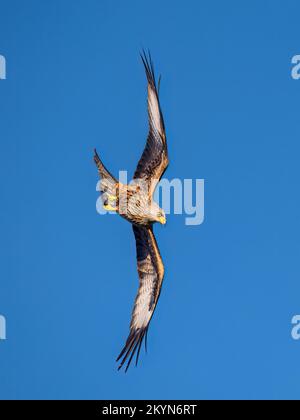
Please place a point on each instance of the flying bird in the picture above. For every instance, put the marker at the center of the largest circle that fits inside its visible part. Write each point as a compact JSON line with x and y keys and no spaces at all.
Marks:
{"x":135,"y":203}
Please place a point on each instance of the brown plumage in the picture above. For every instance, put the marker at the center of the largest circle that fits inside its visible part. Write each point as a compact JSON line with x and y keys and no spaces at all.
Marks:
{"x":135,"y":203}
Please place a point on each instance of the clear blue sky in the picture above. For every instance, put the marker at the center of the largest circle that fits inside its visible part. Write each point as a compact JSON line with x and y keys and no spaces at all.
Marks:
{"x":68,"y":276}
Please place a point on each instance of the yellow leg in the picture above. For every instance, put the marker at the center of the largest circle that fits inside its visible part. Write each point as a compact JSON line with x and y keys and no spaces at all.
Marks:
{"x":111,"y":197}
{"x":108,"y":207}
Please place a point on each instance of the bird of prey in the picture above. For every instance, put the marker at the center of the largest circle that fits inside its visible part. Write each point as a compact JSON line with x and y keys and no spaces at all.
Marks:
{"x":135,"y":203}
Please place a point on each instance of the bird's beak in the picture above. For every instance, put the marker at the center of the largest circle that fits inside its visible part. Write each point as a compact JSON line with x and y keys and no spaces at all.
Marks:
{"x":162,"y":220}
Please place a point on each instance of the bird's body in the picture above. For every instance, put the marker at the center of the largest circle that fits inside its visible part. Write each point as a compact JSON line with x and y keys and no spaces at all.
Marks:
{"x":135,"y":203}
{"x":131,"y":201}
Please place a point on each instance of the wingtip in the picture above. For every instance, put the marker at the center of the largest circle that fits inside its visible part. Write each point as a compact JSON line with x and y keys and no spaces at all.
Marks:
{"x":119,"y":357}
{"x":149,"y":67}
{"x":121,"y":365}
{"x":143,"y":54}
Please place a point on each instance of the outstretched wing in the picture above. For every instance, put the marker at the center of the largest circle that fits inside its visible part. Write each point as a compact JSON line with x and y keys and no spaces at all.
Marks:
{"x":151,"y":273}
{"x":154,"y":160}
{"x":108,"y":182}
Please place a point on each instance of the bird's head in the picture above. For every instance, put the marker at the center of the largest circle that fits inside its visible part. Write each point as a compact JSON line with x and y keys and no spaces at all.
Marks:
{"x":157,"y":214}
{"x":161,"y":217}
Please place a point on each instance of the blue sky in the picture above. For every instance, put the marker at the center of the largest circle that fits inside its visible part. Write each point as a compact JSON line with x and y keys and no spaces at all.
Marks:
{"x":222,"y":328}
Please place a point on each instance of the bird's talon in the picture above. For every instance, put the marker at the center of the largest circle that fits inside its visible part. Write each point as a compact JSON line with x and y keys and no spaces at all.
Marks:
{"x":111,"y":197}
{"x":108,"y":207}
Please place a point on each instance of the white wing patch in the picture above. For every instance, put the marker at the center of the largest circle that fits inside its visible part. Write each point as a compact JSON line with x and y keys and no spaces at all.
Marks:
{"x":154,"y":111}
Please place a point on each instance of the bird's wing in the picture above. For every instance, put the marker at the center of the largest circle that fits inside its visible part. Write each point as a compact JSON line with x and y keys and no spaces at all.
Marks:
{"x":154,"y":160}
{"x":108,"y":182}
{"x":151,"y":273}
